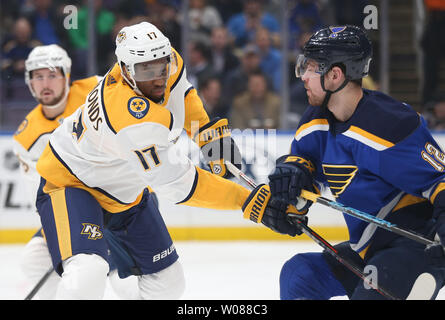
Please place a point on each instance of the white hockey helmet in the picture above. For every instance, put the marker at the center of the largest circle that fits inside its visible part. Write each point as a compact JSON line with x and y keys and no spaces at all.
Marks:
{"x":50,"y":56}
{"x":146,"y":53}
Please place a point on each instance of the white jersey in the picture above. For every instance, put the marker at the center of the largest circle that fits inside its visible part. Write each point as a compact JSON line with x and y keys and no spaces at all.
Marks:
{"x":118,"y":143}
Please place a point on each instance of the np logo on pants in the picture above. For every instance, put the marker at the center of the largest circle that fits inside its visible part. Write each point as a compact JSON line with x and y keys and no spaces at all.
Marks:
{"x":92,"y":231}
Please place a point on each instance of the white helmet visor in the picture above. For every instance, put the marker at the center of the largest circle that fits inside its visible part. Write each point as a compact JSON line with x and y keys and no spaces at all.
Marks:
{"x":306,"y":67}
{"x":161,"y":68}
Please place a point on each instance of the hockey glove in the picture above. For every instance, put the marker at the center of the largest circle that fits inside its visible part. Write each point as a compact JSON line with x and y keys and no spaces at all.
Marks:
{"x":291,"y":175}
{"x":270,"y":211}
{"x":217,"y":145}
{"x":435,"y":253}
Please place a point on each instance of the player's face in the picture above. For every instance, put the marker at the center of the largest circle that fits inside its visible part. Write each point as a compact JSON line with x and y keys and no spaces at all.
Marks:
{"x":312,"y":84}
{"x":48,"y":85}
{"x":154,"y":89}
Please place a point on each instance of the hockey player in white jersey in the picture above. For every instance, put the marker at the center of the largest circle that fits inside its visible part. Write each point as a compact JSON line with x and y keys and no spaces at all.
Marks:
{"x":48,"y":78}
{"x":98,"y":164}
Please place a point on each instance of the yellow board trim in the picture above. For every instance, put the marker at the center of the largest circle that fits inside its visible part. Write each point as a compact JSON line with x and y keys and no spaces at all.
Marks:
{"x":255,"y":233}
{"x":62,"y":222}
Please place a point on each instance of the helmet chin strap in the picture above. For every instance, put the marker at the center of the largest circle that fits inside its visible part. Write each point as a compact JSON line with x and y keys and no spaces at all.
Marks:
{"x":329,"y":92}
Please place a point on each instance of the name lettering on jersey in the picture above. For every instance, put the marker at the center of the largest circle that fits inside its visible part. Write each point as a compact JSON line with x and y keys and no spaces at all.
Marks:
{"x":92,"y":230}
{"x":339,"y":177}
{"x":138,"y":107}
{"x":434,"y":157}
{"x":78,"y":127}
{"x":93,"y":109}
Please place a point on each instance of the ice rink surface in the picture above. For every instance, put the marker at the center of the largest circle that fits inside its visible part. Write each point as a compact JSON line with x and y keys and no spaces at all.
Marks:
{"x":216,"y":270}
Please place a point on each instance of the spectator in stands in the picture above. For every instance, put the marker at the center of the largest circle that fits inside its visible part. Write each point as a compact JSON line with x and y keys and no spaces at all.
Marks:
{"x":349,"y":11}
{"x":202,"y":18}
{"x":222,"y":57}
{"x":170,"y":25}
{"x":243,"y":26}
{"x":271,"y":57}
{"x":258,"y":107}
{"x":236,"y":80}
{"x":105,"y":20}
{"x":14,"y":54}
{"x":433,"y":44}
{"x":199,"y":67}
{"x":210,"y":93}
{"x":303,"y":17}
{"x":46,"y":23}
{"x":228,"y":8}
{"x":434,"y":112}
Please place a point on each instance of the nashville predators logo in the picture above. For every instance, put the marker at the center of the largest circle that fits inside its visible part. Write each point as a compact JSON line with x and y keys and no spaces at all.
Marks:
{"x":339,"y":177}
{"x":121,"y":36}
{"x":138,"y":107}
{"x":21,"y":127}
{"x":92,"y":231}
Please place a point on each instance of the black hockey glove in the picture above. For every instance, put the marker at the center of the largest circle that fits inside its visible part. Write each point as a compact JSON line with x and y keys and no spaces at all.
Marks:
{"x":435,"y":253}
{"x":270,"y":211}
{"x":291,"y":175}
{"x":217,"y":146}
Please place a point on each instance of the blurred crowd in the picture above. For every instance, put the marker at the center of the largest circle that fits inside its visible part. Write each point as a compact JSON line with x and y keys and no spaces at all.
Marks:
{"x":233,"y":49}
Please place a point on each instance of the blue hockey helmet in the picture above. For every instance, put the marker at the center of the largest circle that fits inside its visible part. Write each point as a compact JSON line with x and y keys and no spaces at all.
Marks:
{"x":348,"y":45}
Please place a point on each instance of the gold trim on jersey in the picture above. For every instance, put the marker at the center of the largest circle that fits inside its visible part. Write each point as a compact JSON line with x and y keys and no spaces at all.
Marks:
{"x":36,"y":124}
{"x":208,"y":190}
{"x":58,"y":176}
{"x":194,"y":112}
{"x":371,"y":136}
{"x":62,"y":222}
{"x":408,"y":200}
{"x":440,"y":187}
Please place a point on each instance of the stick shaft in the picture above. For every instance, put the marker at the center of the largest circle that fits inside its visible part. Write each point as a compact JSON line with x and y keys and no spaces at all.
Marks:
{"x":366,"y":217}
{"x":39,"y":284}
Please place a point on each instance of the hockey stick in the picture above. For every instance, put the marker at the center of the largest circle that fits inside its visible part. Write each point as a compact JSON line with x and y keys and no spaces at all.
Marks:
{"x":318,"y":239}
{"x":39,"y":284}
{"x":348,"y":210}
{"x":366,"y":217}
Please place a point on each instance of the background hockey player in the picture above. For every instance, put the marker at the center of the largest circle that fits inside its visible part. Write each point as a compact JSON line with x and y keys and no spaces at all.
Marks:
{"x":98,"y":163}
{"x":375,"y":154}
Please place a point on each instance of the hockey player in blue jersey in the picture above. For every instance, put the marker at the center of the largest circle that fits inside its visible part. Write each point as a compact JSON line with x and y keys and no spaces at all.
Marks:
{"x":375,"y":154}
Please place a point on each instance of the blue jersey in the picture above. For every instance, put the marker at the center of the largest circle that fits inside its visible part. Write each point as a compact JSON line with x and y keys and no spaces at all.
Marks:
{"x":383,"y":161}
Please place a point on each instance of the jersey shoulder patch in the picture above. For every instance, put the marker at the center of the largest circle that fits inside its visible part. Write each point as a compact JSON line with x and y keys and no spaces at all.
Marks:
{"x":33,"y":127}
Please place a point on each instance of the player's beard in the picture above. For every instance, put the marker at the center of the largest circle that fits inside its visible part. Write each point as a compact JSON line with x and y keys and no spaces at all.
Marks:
{"x":314,"y":100}
{"x":54,"y":101}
